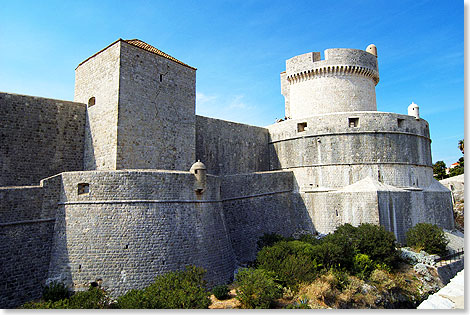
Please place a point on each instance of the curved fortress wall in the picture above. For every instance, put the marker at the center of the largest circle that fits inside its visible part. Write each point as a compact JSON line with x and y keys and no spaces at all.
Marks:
{"x":343,"y":82}
{"x":133,"y":225}
{"x":360,"y":167}
{"x":332,"y":150}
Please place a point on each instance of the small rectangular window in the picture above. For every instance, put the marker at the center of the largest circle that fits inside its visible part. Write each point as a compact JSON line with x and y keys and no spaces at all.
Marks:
{"x":83,"y":188}
{"x":301,"y":127}
{"x":91,"y":101}
{"x":353,"y":122}
{"x":161,"y":77}
{"x":400,"y":122}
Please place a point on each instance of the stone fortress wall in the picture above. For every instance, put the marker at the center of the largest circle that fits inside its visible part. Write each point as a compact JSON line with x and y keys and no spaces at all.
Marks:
{"x":26,"y":232}
{"x":258,"y":203}
{"x":97,"y":86}
{"x":157,"y":99}
{"x":131,"y":225}
{"x":39,"y":137}
{"x":351,"y":163}
{"x":231,"y":148}
{"x":131,"y":208}
{"x":343,"y":82}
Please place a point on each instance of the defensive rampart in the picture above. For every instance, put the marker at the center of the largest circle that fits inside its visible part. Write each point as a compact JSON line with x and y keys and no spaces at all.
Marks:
{"x":344,"y":81}
{"x":26,"y":229}
{"x":336,"y":150}
{"x":231,"y":148}
{"x":123,"y":228}
{"x":39,"y":137}
{"x":259,"y":203}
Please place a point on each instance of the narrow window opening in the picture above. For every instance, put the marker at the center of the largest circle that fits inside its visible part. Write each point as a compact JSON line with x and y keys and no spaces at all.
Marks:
{"x":301,"y":127}
{"x":161,"y":77}
{"x":83,"y":188}
{"x":400,"y":122}
{"x":79,"y":267}
{"x":91,"y":101}
{"x":337,"y":214}
{"x":353,"y":122}
{"x":127,"y":246}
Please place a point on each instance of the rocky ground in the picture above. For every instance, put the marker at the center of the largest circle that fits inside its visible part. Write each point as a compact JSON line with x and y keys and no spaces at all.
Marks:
{"x":403,"y":289}
{"x":449,"y":297}
{"x":459,"y":215}
{"x":413,"y":282}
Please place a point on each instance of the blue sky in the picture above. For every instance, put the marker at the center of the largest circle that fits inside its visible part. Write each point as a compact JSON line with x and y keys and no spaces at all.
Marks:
{"x":240,"y":47}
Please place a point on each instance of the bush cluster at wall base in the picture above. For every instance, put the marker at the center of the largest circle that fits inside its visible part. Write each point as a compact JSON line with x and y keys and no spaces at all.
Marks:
{"x":358,"y":250}
{"x":176,"y":290}
{"x":334,"y":270}
{"x":427,"y":237}
{"x":354,"y":267}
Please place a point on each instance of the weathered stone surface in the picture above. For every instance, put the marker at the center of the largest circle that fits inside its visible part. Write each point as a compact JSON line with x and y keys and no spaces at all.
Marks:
{"x":122,"y":207}
{"x":39,"y":137}
{"x":449,"y":297}
{"x":456,"y":185}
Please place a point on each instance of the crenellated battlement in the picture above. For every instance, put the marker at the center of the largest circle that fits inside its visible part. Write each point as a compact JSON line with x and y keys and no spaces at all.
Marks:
{"x":343,"y":82}
{"x":333,"y":70}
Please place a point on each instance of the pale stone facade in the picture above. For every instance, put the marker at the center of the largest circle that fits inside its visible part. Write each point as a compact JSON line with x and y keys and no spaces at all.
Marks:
{"x":136,"y":206}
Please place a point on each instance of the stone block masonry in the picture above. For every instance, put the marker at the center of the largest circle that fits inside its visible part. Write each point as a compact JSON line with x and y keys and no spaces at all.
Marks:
{"x":26,"y":240}
{"x":259,"y":203}
{"x":107,"y":189}
{"x":39,"y":137}
{"x":131,"y":226}
{"x":231,"y":148}
{"x":157,"y":99}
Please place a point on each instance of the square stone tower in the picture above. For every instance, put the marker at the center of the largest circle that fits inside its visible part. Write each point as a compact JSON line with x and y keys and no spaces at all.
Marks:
{"x":141,"y":108}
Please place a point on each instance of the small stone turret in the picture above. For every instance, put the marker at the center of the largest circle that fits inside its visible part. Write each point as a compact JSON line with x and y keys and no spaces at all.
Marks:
{"x":413,"y":110}
{"x":372,"y":49}
{"x":344,"y":82}
{"x":200,"y":172}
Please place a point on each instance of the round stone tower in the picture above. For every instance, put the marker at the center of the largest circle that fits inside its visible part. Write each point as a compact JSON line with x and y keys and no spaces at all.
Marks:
{"x":344,"y":82}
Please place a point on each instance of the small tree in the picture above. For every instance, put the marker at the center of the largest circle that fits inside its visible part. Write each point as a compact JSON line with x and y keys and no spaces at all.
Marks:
{"x":427,"y":237}
{"x":439,"y":170}
{"x":178,"y":289}
{"x":256,"y":288}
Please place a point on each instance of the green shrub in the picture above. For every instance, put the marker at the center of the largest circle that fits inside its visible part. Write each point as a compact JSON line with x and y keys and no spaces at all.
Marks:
{"x":93,"y":298}
{"x":38,"y":305}
{"x":427,"y":237}
{"x":335,"y":251}
{"x":292,"y":262}
{"x":363,"y":266}
{"x":309,"y":238}
{"x":301,"y":304}
{"x":55,"y":291}
{"x":134,"y":299}
{"x":221,"y":292}
{"x":175,"y":290}
{"x":256,"y":288}
{"x":370,"y":239}
{"x":269,"y":239}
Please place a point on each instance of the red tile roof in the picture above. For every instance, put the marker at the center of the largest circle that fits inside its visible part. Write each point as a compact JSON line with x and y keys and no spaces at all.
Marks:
{"x":150,"y":48}
{"x":140,"y":44}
